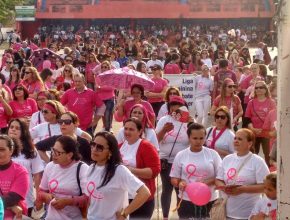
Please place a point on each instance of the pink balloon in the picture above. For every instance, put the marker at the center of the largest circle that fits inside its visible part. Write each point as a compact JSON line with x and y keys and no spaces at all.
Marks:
{"x":198,"y":193}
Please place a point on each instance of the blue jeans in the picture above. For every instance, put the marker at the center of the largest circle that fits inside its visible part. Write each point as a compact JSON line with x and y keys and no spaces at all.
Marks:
{"x":109,"y":113}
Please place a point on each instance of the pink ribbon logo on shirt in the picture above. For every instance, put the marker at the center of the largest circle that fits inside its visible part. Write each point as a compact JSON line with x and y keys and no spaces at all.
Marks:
{"x":191,"y":171}
{"x":91,"y":188}
{"x":231,"y":173}
{"x":53,"y":184}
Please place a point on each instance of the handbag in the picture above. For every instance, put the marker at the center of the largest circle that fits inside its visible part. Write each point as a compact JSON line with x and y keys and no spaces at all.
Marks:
{"x":218,"y":210}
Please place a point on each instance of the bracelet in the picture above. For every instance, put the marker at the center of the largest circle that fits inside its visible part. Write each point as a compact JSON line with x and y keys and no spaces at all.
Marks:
{"x":123,"y":214}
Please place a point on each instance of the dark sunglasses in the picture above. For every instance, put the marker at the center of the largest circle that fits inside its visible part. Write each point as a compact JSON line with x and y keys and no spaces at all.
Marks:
{"x":231,"y":86}
{"x":27,"y":72}
{"x":98,"y":147}
{"x":69,"y":60}
{"x":66,"y":70}
{"x":19,"y":89}
{"x":56,"y":152}
{"x":9,"y":62}
{"x":44,"y":111}
{"x":223,"y":117}
{"x":65,"y":121}
{"x":260,"y":87}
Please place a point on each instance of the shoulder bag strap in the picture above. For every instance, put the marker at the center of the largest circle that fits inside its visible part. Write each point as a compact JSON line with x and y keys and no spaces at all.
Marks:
{"x":175,"y":140}
{"x":78,"y":177}
{"x":209,"y":132}
{"x":49,"y":131}
{"x":257,"y":113}
{"x":241,"y":166}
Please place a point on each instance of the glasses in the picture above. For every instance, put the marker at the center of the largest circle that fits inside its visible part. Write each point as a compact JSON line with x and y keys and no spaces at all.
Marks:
{"x":66,"y":70}
{"x":57,"y":153}
{"x":206,"y":69}
{"x":44,"y":111}
{"x":9,"y":62}
{"x":64,"y":121}
{"x":68,"y":60}
{"x":19,"y":89}
{"x":260,"y":87}
{"x":231,"y":86}
{"x":223,"y":117}
{"x":27,"y":72}
{"x":98,"y":147}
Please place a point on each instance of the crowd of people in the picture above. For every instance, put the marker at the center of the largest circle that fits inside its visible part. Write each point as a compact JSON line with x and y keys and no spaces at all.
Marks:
{"x":53,"y":156}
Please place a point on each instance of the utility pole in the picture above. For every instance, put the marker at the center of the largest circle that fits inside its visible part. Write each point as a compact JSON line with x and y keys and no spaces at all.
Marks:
{"x":283,"y":156}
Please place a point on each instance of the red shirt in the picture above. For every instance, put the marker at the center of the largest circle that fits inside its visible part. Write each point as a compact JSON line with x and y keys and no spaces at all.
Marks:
{"x":172,"y":68}
{"x":82,"y":103}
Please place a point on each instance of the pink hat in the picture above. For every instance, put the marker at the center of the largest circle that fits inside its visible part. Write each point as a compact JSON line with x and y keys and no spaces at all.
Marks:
{"x":227,"y":81}
{"x":176,"y":98}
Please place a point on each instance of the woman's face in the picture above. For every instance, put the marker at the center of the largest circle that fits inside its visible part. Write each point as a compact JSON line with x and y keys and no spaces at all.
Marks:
{"x":41,"y":101}
{"x":241,"y":143}
{"x":197,"y":56}
{"x":14,"y":130}
{"x":221,"y":119}
{"x":270,"y":190}
{"x":136,"y":93}
{"x":100,"y":150}
{"x":14,"y":73}
{"x":143,"y":68}
{"x":58,"y":62}
{"x":230,"y":88}
{"x":28,"y":73}
{"x":5,"y":153}
{"x":260,"y":89}
{"x":196,"y":139}
{"x":173,"y":92}
{"x":255,"y":69}
{"x":67,"y":127}
{"x":104,"y":67}
{"x":67,"y":72}
{"x":204,"y":55}
{"x":137,"y":113}
{"x":131,"y":133}
{"x":19,"y":92}
{"x":48,"y":115}
{"x":59,"y":156}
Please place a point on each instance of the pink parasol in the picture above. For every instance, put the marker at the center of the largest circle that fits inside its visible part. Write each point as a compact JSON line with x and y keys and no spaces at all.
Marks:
{"x":124,"y":78}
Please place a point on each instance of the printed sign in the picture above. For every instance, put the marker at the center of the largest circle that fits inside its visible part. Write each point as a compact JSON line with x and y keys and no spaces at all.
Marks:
{"x":25,"y":13}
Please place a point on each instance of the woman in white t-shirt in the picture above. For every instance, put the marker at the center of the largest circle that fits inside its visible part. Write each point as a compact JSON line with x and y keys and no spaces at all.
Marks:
{"x":172,"y":138}
{"x":109,"y":182}
{"x":63,"y":182}
{"x":205,"y":58}
{"x":241,"y":176}
{"x":138,"y":111}
{"x":220,"y":137}
{"x":27,"y":156}
{"x":195,"y":164}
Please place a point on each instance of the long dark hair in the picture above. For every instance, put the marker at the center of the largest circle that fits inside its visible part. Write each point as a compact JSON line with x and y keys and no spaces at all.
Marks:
{"x":28,"y":148}
{"x":113,"y":161}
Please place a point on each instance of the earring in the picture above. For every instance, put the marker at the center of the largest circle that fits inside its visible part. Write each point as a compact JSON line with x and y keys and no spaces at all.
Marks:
{"x":109,"y":156}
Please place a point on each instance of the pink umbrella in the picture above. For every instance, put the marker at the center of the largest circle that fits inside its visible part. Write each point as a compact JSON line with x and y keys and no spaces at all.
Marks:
{"x":124,"y":78}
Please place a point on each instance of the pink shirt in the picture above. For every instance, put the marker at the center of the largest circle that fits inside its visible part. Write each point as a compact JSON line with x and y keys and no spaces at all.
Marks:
{"x":12,"y":84}
{"x":4,"y":118}
{"x":33,"y":87}
{"x":25,"y":109}
{"x":172,"y":68}
{"x":158,"y":87}
{"x":82,"y":103}
{"x":230,"y":102}
{"x":128,"y":106}
{"x":14,"y":179}
{"x":256,"y":108}
{"x":270,"y":119}
{"x":105,"y":92}
{"x":89,"y":72}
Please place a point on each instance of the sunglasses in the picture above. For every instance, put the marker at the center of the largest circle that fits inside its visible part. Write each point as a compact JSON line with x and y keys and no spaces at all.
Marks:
{"x":260,"y":87}
{"x":64,"y":121}
{"x":44,"y":111}
{"x":69,"y":60}
{"x":223,"y":117}
{"x":206,"y":69}
{"x":56,"y":152}
{"x":104,"y":67}
{"x":231,"y":86}
{"x":9,"y":62}
{"x":98,"y":147}
{"x":19,"y":89}
{"x":27,"y":72}
{"x":66,"y":70}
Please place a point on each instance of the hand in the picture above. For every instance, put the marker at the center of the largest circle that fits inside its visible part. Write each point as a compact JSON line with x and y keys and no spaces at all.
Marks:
{"x":234,"y":190}
{"x":38,"y":205}
{"x":182,"y":185}
{"x":59,"y":203}
{"x":168,"y":127}
{"x":121,"y":102}
{"x":260,"y":216}
{"x":17,"y":210}
{"x":119,"y":217}
{"x":47,"y":197}
{"x":257,"y":130}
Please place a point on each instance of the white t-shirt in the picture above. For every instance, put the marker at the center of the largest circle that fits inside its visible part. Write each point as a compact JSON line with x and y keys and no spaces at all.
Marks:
{"x":128,"y":153}
{"x":107,"y":200}
{"x":62,"y":183}
{"x":253,"y":172}
{"x":33,"y":166}
{"x":224,"y":142}
{"x":5,"y":73}
{"x":36,"y":119}
{"x":208,"y":62}
{"x":266,"y":206}
{"x":203,"y":86}
{"x":196,"y":167}
{"x":259,"y":54}
{"x":150,"y":136}
{"x":163,"y":111}
{"x":46,"y":130}
{"x":168,"y":140}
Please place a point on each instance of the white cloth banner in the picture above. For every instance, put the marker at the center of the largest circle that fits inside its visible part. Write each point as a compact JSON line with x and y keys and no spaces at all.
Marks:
{"x":185,"y":83}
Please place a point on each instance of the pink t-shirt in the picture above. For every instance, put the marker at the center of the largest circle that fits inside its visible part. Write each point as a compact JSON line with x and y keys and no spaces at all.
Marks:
{"x":105,"y":92}
{"x":25,"y":109}
{"x":14,"y":179}
{"x":12,"y":84}
{"x":158,"y":87}
{"x":89,"y":72}
{"x":270,"y":119}
{"x":235,"y":104}
{"x":82,"y":104}
{"x":33,"y":87}
{"x":3,"y":117}
{"x":128,"y":106}
{"x":261,"y":109}
{"x":172,"y":68}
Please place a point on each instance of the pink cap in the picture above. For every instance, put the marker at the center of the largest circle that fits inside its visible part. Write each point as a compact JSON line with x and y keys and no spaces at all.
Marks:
{"x":176,"y":98}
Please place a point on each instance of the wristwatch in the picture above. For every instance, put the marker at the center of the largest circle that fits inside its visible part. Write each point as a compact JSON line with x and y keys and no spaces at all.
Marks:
{"x":123,"y":214}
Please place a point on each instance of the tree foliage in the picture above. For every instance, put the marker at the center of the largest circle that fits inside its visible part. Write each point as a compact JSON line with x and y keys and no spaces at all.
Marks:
{"x":7,"y":9}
